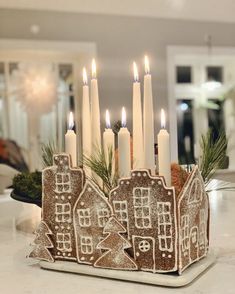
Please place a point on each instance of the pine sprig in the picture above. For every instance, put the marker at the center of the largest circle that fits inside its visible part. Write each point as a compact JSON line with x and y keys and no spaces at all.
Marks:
{"x":213,"y":154}
{"x":47,"y":154}
{"x":103,"y":167}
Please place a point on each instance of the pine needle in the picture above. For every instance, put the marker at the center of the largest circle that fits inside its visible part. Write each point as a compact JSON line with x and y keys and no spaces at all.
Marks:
{"x":213,"y":155}
{"x":103,"y":168}
{"x":47,"y":154}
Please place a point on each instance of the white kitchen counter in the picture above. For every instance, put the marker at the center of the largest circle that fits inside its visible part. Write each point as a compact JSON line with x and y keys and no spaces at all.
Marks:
{"x":19,"y":275}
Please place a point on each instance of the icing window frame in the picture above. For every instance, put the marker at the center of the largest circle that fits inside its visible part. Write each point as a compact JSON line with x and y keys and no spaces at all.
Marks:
{"x":202,"y":227}
{"x":120,"y":209}
{"x":141,"y":203}
{"x":63,"y":182}
{"x":84,"y":217}
{"x":103,"y":216}
{"x":63,"y":241}
{"x":63,"y":212}
{"x":86,"y":244}
{"x":195,"y":188}
{"x":184,"y":222}
{"x":165,"y":238}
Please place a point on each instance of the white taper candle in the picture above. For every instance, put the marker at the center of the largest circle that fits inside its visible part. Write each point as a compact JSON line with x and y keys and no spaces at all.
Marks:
{"x":95,"y":110}
{"x":149,"y":157}
{"x":86,"y":120}
{"x":138,"y":147}
{"x":109,"y":141}
{"x":164,"y":151}
{"x":124,"y":152}
{"x":71,"y":141}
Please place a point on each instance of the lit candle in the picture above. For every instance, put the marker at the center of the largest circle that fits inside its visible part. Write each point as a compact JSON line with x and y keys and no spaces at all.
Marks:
{"x":124,"y":152}
{"x":86,"y":120}
{"x":138,"y":154}
{"x":108,"y":140}
{"x":149,"y":157}
{"x":95,"y":110}
{"x":164,"y":160}
{"x":71,"y":141}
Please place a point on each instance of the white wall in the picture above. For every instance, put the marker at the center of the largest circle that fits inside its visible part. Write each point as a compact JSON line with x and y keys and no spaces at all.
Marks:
{"x":119,"y":40}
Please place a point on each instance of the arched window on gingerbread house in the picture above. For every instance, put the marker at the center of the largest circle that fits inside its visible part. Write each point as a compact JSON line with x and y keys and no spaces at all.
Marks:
{"x":184,"y":234}
{"x":195,"y":192}
{"x":202,"y":228}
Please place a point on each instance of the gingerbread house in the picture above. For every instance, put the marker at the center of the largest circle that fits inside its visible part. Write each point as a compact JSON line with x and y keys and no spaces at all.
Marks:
{"x":91,"y":213}
{"x":61,"y":187}
{"x":193,"y":221}
{"x":147,"y":209}
{"x":166,"y":232}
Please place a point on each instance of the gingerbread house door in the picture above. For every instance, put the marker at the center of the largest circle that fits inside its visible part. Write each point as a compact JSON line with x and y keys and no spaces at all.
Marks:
{"x":194,"y":243}
{"x":144,"y":252}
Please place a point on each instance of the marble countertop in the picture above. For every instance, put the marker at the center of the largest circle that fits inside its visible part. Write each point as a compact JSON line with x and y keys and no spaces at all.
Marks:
{"x":20,"y":275}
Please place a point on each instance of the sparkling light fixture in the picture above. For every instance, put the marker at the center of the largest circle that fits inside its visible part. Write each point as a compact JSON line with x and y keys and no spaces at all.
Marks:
{"x":35,"y":86}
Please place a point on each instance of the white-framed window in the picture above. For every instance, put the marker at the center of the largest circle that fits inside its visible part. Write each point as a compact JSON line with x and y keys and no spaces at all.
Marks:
{"x":63,"y":241}
{"x":84,"y":217}
{"x":141,"y":201}
{"x":185,"y":232}
{"x":86,"y":245}
{"x":144,"y":246}
{"x":63,"y":182}
{"x":103,"y":216}
{"x":202,"y":227}
{"x":63,"y":212}
{"x":120,"y":209}
{"x":164,"y":226}
{"x":195,"y":193}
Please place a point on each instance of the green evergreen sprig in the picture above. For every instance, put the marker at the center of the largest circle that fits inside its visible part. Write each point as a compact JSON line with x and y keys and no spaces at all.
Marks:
{"x":103,"y":167}
{"x":47,"y":154}
{"x":213,"y":154}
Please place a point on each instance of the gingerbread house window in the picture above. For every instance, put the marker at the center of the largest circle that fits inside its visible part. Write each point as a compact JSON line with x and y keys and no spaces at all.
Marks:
{"x":84,"y":217}
{"x":195,"y":192}
{"x":63,"y":212}
{"x":86,"y":245}
{"x":103,"y":216}
{"x":63,"y":182}
{"x":63,"y":241}
{"x":185,"y":232}
{"x":120,"y":208}
{"x":202,"y":227}
{"x":144,"y":246}
{"x":142,"y":207}
{"x":164,"y":226}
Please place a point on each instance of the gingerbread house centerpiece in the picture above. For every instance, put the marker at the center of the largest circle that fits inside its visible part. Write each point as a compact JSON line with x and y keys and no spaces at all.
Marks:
{"x":149,"y":227}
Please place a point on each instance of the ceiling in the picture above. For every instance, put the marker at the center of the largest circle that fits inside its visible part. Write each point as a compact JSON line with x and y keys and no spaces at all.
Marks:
{"x":207,"y":10}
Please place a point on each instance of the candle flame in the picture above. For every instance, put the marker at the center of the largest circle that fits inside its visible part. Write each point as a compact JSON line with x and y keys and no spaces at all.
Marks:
{"x":71,"y":121}
{"x":136,"y":74}
{"x":146,"y":64}
{"x":84,"y":76}
{"x":163,"y":119}
{"x":107,"y":118}
{"x":123,"y":117}
{"x":93,"y":68}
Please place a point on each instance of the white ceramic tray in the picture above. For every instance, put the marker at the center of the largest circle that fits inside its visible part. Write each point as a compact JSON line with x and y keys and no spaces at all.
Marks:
{"x":169,"y":280}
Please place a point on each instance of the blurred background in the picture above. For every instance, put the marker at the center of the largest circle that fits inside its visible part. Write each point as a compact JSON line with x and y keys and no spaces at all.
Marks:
{"x":45,"y":44}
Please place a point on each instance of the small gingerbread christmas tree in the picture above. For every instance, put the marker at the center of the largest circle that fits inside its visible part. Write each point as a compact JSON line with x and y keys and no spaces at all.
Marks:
{"x":42,"y":243}
{"x":115,"y":243}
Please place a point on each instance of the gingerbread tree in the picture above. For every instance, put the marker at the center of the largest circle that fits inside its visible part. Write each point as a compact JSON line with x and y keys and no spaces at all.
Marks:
{"x":115,"y":243}
{"x":42,"y":242}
